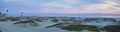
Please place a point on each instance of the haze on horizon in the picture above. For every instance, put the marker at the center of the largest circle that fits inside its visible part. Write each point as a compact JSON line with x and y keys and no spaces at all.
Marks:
{"x":61,"y":6}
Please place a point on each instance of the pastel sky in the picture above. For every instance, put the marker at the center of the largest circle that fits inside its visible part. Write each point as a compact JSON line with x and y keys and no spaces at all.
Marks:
{"x":61,"y":6}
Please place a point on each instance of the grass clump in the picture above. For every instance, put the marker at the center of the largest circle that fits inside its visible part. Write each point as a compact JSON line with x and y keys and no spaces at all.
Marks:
{"x":55,"y":20}
{"x":2,"y":19}
{"x":90,"y":19}
{"x":0,"y":31}
{"x":50,"y":26}
{"x":54,"y":25}
{"x":80,"y":27}
{"x":112,"y":28}
{"x":33,"y":23}
{"x":39,"y":20}
{"x":12,"y":18}
{"x":65,"y":19}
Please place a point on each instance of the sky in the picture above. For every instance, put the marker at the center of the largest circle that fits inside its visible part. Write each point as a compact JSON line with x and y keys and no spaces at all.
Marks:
{"x":61,"y":6}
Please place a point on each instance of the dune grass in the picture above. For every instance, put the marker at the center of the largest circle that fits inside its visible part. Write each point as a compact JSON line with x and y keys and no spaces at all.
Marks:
{"x":33,"y":23}
{"x":0,"y":31}
{"x":39,"y":20}
{"x":55,"y":20}
{"x":112,"y":28}
{"x":54,"y":25}
{"x":2,"y":19}
{"x":80,"y":27}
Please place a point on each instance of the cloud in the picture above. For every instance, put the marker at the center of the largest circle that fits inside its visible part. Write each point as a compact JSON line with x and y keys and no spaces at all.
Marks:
{"x":108,"y":6}
{"x":58,"y":5}
{"x":65,"y":6}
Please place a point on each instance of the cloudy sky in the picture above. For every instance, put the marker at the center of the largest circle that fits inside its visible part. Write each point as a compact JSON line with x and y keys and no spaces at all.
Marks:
{"x":61,"y":6}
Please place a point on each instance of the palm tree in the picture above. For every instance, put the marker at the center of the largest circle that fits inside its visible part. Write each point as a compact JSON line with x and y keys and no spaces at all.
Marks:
{"x":7,"y":11}
{"x":0,"y":13}
{"x":22,"y":13}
